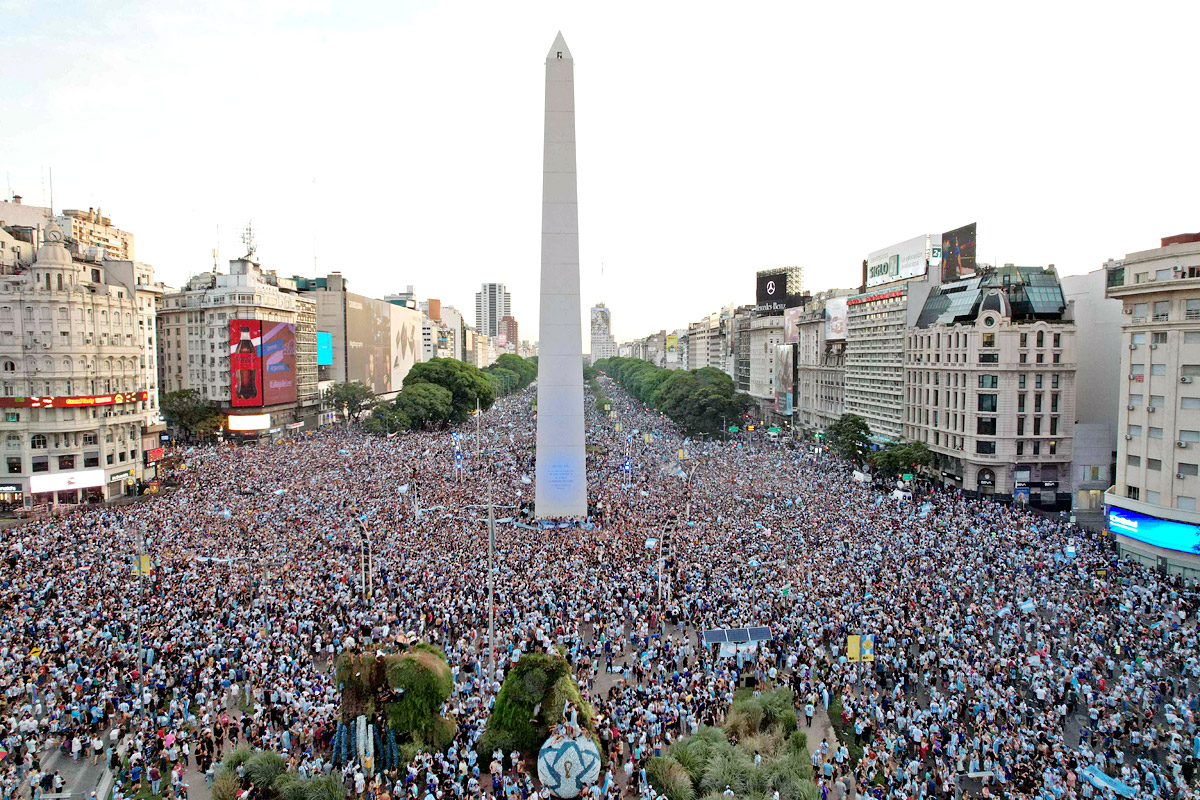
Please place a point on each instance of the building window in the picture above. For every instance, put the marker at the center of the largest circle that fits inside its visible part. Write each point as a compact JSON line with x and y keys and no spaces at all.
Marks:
{"x":1135,"y":399}
{"x":1040,"y":358}
{"x":1154,"y":464}
{"x":1020,"y":404}
{"x":1152,"y":496}
{"x":1020,"y":448}
{"x":38,"y":441}
{"x":1037,"y":448}
{"x":1024,"y":340}
{"x":1158,"y":369}
{"x":12,"y":416}
{"x":1037,"y":426}
{"x":1189,"y":436}
{"x":989,"y":381}
{"x":1185,"y":503}
{"x":1133,"y":461}
{"x":1053,"y":426}
{"x":39,"y":464}
{"x":985,"y":426}
{"x":9,"y":366}
{"x":1021,"y":381}
{"x":989,"y":358}
{"x":989,"y":339}
{"x":1159,"y":337}
{"x":985,"y":448}
{"x":14,"y":465}
{"x":1190,"y":470}
{"x":1154,"y":433}
{"x":1134,"y":430}
{"x":987,"y":402}
{"x":66,"y":462}
{"x":1054,"y":381}
{"x":1041,"y":341}
{"x":1037,"y":381}
{"x":1162,"y":310}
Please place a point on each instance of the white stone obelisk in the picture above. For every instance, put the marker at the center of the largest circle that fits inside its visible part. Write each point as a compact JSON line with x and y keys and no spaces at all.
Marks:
{"x":561,"y":485}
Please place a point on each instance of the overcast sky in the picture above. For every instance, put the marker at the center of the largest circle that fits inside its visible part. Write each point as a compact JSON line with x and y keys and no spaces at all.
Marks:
{"x":401,"y":142}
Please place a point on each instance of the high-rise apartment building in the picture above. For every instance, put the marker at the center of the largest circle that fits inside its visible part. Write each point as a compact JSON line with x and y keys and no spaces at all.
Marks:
{"x":603,"y":344}
{"x":510,"y":333}
{"x":492,"y":304}
{"x":820,"y":338}
{"x":897,"y":282}
{"x":1152,"y":509}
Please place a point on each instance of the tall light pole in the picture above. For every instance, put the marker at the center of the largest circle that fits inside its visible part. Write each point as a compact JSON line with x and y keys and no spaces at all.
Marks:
{"x":491,"y":584}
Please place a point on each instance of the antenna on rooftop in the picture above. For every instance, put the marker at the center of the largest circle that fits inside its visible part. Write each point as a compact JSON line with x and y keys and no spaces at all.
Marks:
{"x":217,"y":251}
{"x":248,"y":240}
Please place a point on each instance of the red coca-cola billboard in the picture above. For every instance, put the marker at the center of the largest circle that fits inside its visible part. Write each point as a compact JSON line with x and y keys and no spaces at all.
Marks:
{"x":245,"y":363}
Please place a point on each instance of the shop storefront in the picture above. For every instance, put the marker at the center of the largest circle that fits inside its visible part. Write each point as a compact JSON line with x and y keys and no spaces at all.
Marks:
{"x":12,"y":496}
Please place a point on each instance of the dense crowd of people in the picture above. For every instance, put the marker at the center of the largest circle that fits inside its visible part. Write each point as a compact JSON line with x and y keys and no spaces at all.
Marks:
{"x":257,"y":584}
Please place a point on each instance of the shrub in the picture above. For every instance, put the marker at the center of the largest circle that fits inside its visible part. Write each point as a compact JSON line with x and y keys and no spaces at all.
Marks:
{"x":237,"y":756}
{"x":264,"y":767}
{"x":536,"y":680}
{"x":424,"y":676}
{"x":324,"y":787}
{"x":225,"y":787}
{"x":668,"y":777}
{"x":290,"y":786}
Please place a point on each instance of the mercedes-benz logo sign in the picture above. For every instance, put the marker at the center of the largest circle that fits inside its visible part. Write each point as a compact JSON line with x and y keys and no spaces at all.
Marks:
{"x":770,"y":287}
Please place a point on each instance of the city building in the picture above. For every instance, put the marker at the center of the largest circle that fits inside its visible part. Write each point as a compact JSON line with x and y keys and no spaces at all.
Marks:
{"x":896,"y":282}
{"x":1152,"y":509}
{"x":820,"y":337}
{"x":267,"y":323}
{"x":91,"y":229}
{"x":492,"y":304}
{"x":990,"y":385}
{"x":710,"y":341}
{"x":509,"y":338}
{"x":79,"y":405}
{"x":372,"y":341}
{"x":603,"y":344}
{"x":1098,"y":393}
{"x":766,"y":334}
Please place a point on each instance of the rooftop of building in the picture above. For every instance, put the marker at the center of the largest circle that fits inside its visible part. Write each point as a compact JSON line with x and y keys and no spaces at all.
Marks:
{"x":1023,"y":294}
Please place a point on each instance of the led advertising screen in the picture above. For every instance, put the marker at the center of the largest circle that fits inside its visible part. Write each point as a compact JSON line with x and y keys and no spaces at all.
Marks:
{"x":245,"y":363}
{"x":958,"y":252}
{"x":278,"y":362}
{"x":1151,"y":530}
{"x":835,"y":319}
{"x":771,"y":292}
{"x":324,"y":349}
{"x":369,"y":342}
{"x":785,"y":379}
{"x":898,"y":262}
{"x":66,"y":481}
{"x":249,"y":422}
{"x":791,"y":324}
{"x":406,"y":341}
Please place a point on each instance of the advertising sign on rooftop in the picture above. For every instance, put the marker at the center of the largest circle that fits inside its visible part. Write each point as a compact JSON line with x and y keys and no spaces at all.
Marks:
{"x":898,"y":262}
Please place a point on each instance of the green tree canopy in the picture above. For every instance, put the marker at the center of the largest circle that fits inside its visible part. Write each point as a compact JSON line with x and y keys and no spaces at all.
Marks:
{"x":902,"y":457}
{"x":424,"y":404}
{"x":850,"y":437}
{"x":348,"y":399}
{"x":465,"y":383}
{"x":186,"y":409}
{"x":697,"y":400}
{"x":386,"y":418}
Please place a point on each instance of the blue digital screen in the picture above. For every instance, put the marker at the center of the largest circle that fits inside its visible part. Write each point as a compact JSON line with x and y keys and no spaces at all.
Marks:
{"x":1151,"y":530}
{"x":324,"y":349}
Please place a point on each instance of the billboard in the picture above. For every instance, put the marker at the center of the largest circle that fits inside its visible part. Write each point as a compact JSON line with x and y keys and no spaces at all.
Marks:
{"x":249,"y":422}
{"x":245,"y":363}
{"x":278,"y":362}
{"x":66,"y":481}
{"x":791,"y":324}
{"x":406,"y":342}
{"x":672,"y":343}
{"x":958,"y":252}
{"x":73,"y":402}
{"x":369,"y":342}
{"x":324,"y":349}
{"x":898,"y":262}
{"x":771,"y":292}
{"x":785,"y":378}
{"x":835,"y":319}
{"x":1154,"y":531}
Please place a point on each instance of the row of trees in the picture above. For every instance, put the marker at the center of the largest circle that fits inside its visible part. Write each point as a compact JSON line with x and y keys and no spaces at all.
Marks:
{"x":850,"y":437}
{"x":700,"y":401}
{"x":437,"y":392}
{"x":447,"y":391}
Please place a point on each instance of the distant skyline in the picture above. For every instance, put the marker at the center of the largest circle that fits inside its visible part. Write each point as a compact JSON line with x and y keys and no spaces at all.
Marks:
{"x":401,"y":143}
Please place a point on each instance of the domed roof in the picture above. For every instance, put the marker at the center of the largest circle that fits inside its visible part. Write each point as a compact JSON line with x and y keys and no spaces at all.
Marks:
{"x":52,"y":252}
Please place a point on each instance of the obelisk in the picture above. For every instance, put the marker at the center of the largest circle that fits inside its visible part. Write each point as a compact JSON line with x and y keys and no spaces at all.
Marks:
{"x":561,"y":486}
